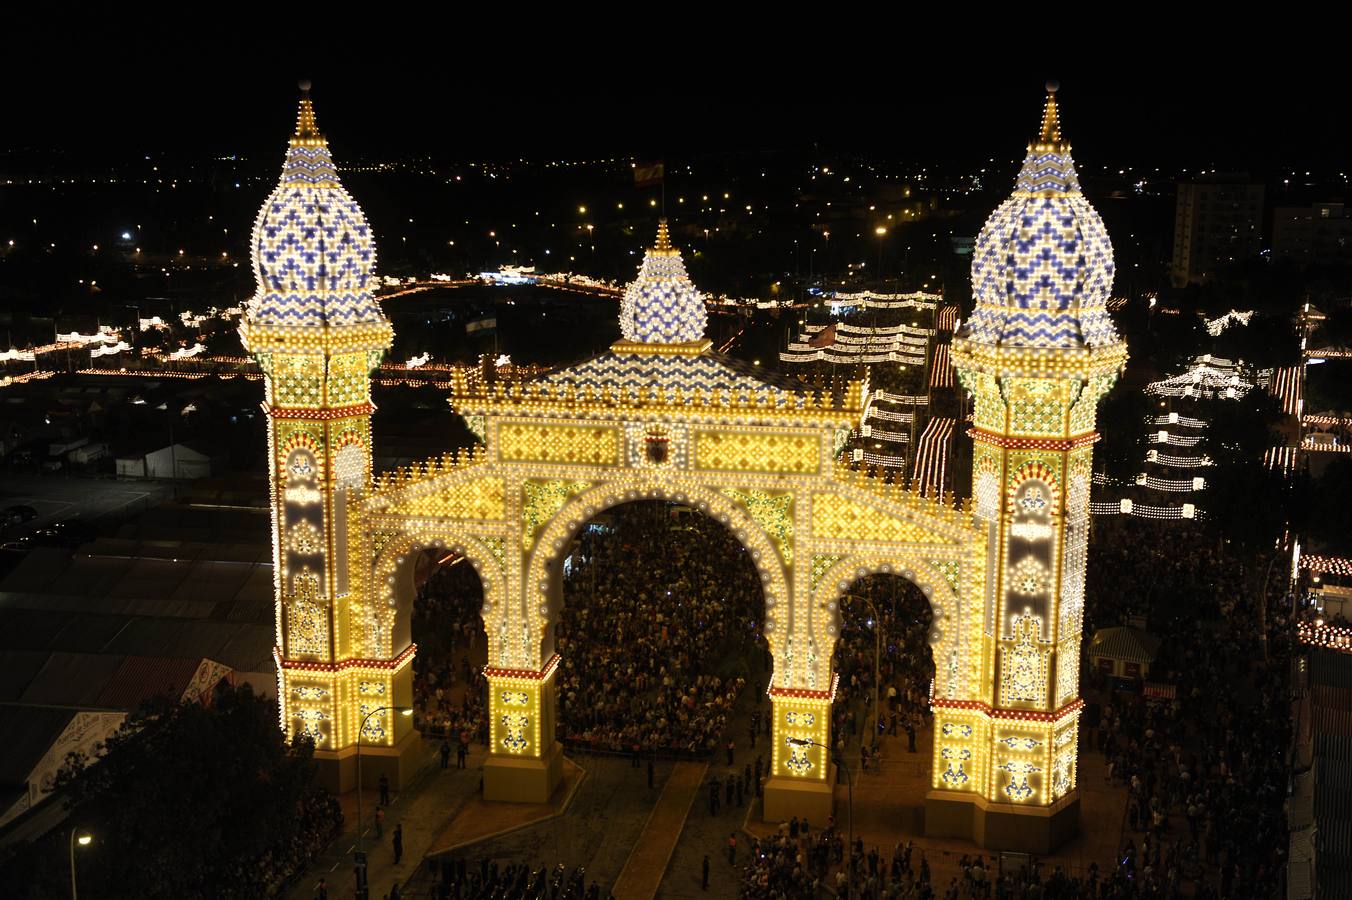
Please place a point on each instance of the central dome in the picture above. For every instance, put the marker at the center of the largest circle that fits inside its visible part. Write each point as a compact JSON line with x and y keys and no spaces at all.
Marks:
{"x":314,"y":256}
{"x":661,"y":306}
{"x":1042,"y":267}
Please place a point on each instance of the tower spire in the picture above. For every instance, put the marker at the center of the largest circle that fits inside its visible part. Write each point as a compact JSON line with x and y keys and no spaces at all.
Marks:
{"x":663,"y":239}
{"x":1051,"y":119}
{"x":306,"y":129}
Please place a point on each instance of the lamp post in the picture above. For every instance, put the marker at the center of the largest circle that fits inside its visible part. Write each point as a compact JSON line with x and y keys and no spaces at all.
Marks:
{"x":881,"y":232}
{"x":83,"y":839}
{"x":849,"y":782}
{"x":361,"y":854}
{"x":877,"y":656}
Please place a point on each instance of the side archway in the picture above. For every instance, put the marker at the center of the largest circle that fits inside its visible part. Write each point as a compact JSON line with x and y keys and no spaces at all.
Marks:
{"x":945,"y":637}
{"x":389,"y":618}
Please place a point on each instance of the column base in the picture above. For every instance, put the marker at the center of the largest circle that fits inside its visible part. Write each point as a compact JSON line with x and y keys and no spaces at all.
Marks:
{"x":812,"y":800}
{"x":338,"y":768}
{"x":1002,"y":826}
{"x":514,"y":779}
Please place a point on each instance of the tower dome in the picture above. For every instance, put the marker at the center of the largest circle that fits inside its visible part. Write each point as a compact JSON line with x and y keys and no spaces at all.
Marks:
{"x":1042,"y":266}
{"x":313,"y":253}
{"x":661,"y":306}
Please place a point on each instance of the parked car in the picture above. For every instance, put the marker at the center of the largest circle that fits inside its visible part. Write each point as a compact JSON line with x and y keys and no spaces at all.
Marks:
{"x":17,"y":515}
{"x":70,"y":533}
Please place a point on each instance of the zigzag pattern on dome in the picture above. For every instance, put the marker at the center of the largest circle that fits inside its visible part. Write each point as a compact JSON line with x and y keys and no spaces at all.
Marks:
{"x":661,"y":305}
{"x":314,"y":255}
{"x":309,"y":166}
{"x":1043,"y":268}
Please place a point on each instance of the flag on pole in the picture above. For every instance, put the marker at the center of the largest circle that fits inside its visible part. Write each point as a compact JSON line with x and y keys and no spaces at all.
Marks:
{"x":824,"y":338}
{"x":648,"y":173}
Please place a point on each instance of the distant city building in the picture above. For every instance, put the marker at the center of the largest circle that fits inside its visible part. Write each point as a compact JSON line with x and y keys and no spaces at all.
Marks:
{"x":1218,"y":221}
{"x":1318,"y":233}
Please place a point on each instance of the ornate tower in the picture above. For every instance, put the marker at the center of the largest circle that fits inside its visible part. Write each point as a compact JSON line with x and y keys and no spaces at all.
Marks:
{"x":1037,"y":354}
{"x":317,"y":333}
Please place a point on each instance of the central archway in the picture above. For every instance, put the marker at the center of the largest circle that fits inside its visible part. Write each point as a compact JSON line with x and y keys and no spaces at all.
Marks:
{"x":658,"y":618}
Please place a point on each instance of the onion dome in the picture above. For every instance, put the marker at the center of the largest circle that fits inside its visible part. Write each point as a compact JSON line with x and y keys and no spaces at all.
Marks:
{"x":314,"y":256}
{"x":661,"y":306}
{"x":1042,"y":266}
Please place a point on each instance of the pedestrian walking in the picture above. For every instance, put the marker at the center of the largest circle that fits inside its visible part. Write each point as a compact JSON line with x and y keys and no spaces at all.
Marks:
{"x":380,"y":821}
{"x":731,"y":789}
{"x":461,"y":752}
{"x":714,"y":793}
{"x":910,"y":736}
{"x":704,"y":879}
{"x":732,"y":848}
{"x":384,"y":790}
{"x":730,"y":749}
{"x":445,"y":754}
{"x":394,"y":892}
{"x":740,"y":788}
{"x":322,"y":890}
{"x":398,"y":843}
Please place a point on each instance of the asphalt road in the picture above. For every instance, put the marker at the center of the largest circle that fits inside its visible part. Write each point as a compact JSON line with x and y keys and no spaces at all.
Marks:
{"x":97,"y":501}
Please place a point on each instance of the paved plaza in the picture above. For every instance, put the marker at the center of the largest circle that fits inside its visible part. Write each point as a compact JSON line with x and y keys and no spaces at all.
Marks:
{"x":651,"y":842}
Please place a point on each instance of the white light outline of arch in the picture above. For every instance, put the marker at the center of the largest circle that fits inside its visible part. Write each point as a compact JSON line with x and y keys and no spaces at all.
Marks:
{"x":582,"y":508}
{"x":423,"y":537}
{"x":944,"y":601}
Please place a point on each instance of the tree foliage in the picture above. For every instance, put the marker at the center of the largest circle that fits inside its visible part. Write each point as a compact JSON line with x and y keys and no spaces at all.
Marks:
{"x":188,"y":801}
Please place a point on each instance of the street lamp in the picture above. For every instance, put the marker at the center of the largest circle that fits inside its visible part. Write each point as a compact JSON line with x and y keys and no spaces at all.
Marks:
{"x":849,"y":782}
{"x":361,"y":855}
{"x":881,"y":232}
{"x":403,"y":711}
{"x":877,"y":656}
{"x":83,"y":838}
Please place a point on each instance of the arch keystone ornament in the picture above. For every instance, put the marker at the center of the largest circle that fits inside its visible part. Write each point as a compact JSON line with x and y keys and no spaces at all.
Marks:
{"x":660,"y":415}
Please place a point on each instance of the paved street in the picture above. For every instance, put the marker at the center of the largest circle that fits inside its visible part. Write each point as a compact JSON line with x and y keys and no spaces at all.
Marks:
{"x":57,"y":498}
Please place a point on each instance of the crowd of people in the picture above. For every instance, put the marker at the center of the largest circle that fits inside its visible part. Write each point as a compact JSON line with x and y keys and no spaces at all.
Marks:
{"x":659,"y":632}
{"x":317,"y":822}
{"x":659,"y":635}
{"x":886,"y":617}
{"x":449,"y":690}
{"x":1203,"y":773}
{"x":455,"y":879}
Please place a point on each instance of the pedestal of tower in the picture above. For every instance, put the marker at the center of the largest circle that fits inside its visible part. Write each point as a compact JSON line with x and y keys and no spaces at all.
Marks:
{"x":813,"y":801}
{"x":517,"y":779}
{"x":337,"y":769}
{"x":1002,"y":826}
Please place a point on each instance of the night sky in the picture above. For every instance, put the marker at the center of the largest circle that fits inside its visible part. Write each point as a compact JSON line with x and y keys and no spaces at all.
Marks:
{"x":498,"y":93}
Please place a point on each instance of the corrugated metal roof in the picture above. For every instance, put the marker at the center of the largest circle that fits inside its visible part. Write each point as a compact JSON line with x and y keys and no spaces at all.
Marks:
{"x":1330,"y":668}
{"x":1121,"y":642}
{"x":140,"y":678}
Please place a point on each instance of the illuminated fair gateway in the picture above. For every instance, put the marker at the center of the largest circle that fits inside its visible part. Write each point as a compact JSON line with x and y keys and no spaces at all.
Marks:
{"x":660,"y":415}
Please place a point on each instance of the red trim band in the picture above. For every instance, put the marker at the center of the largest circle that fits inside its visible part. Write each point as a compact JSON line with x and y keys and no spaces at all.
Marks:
{"x":1019,"y":715}
{"x":337,"y":412}
{"x":805,"y":693}
{"x":1031,"y":443}
{"x":296,"y":665}
{"x":542,"y":675}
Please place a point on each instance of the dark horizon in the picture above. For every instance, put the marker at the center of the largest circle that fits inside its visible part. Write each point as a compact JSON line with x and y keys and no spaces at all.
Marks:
{"x":485,"y":103}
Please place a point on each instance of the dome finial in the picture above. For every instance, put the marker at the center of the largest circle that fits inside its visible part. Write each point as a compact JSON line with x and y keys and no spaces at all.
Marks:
{"x":1051,"y":119}
{"x":663,"y":239}
{"x":306,"y":129}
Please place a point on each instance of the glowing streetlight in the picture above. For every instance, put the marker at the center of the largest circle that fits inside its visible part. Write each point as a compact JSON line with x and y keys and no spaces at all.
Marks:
{"x":83,"y":838}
